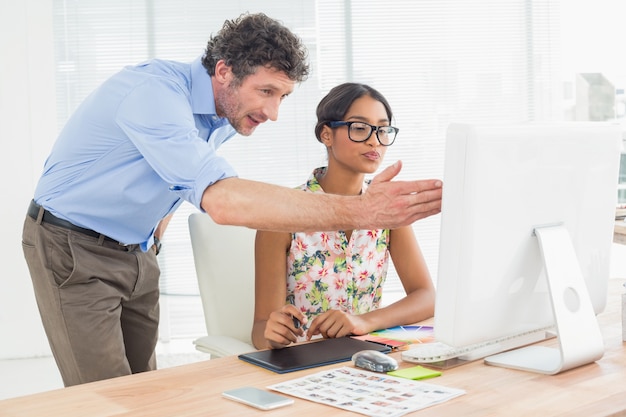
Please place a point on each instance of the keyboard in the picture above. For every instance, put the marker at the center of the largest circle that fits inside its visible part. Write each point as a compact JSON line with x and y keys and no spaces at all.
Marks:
{"x":436,"y":352}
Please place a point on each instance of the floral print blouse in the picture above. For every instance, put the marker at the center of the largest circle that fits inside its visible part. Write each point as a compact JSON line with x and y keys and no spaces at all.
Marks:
{"x":327,"y":271}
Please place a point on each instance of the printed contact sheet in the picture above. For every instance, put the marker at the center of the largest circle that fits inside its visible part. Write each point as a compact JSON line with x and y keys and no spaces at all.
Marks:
{"x":368,"y":393}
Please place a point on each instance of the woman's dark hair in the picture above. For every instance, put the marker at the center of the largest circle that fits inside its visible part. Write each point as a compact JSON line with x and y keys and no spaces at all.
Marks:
{"x":335,"y":105}
{"x":254,"y":40}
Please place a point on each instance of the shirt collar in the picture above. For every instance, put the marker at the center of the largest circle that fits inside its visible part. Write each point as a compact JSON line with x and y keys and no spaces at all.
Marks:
{"x":202,"y":99}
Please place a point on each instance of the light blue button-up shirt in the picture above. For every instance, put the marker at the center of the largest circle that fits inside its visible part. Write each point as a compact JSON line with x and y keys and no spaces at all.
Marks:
{"x":137,"y":147}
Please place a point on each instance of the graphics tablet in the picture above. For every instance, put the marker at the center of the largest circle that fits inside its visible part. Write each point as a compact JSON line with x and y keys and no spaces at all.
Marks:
{"x":310,"y":355}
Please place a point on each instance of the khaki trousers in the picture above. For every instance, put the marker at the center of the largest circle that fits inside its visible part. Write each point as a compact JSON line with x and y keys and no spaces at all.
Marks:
{"x":98,"y":301}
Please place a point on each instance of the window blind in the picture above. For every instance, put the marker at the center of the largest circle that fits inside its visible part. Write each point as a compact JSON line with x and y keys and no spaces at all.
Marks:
{"x":436,"y":61}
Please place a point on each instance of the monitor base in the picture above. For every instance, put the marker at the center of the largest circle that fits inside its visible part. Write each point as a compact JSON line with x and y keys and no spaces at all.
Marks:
{"x":579,"y":338}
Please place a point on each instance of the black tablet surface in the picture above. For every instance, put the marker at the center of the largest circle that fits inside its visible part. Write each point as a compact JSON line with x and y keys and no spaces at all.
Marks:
{"x":310,"y":355}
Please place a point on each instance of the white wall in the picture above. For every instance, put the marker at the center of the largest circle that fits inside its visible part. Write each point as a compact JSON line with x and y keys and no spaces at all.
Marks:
{"x":27,"y":129}
{"x":28,"y":126}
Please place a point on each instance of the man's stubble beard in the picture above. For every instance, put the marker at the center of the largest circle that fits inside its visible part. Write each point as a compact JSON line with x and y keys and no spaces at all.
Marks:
{"x":229,"y":107}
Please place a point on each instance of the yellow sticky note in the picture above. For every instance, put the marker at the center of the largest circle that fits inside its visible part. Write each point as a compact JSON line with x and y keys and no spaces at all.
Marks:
{"x":416,"y":372}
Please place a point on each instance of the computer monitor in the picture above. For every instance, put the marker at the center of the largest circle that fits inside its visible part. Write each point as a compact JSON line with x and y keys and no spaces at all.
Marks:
{"x":527,"y":224}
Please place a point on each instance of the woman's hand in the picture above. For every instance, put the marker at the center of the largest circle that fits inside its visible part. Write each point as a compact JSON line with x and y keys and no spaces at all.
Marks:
{"x":280,"y":329}
{"x":337,"y":323}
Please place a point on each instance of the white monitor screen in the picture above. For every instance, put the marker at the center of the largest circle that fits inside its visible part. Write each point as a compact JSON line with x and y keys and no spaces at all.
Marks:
{"x":500,"y":183}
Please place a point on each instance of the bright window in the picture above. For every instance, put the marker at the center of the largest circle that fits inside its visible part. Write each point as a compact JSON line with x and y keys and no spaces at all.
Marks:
{"x":436,"y":61}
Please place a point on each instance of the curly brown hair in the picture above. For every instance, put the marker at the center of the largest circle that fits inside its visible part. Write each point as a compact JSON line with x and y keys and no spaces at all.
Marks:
{"x":254,"y":40}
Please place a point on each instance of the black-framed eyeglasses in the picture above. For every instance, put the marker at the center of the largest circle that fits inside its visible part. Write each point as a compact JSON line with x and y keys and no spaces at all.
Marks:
{"x":361,"y":131}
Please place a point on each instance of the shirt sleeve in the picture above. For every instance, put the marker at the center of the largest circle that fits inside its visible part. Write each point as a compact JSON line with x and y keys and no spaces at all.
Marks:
{"x":157,"y":117}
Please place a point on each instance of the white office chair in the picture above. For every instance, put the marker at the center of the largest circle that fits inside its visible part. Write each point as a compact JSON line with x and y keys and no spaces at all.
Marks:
{"x":224,"y":261}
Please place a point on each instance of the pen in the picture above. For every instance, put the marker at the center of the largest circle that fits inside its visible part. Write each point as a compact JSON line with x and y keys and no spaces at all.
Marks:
{"x":291,"y":300}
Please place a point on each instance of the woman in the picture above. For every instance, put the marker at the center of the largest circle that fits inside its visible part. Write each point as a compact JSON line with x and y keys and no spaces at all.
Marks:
{"x":330,"y":283}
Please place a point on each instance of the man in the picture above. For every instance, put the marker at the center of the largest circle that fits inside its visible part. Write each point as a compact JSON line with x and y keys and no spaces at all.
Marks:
{"x":133,"y":151}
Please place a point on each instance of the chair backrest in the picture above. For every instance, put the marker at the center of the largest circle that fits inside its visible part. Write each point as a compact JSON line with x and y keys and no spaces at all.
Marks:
{"x":224,"y":261}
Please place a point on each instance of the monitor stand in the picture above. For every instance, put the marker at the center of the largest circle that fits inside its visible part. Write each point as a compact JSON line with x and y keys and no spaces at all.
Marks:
{"x":576,"y":326}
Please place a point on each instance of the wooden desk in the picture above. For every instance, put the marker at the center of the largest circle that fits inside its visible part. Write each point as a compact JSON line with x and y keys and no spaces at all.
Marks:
{"x":195,"y":390}
{"x":619,"y":232}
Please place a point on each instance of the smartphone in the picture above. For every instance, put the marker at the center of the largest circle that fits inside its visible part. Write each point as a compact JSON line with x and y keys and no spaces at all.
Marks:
{"x":257,"y":398}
